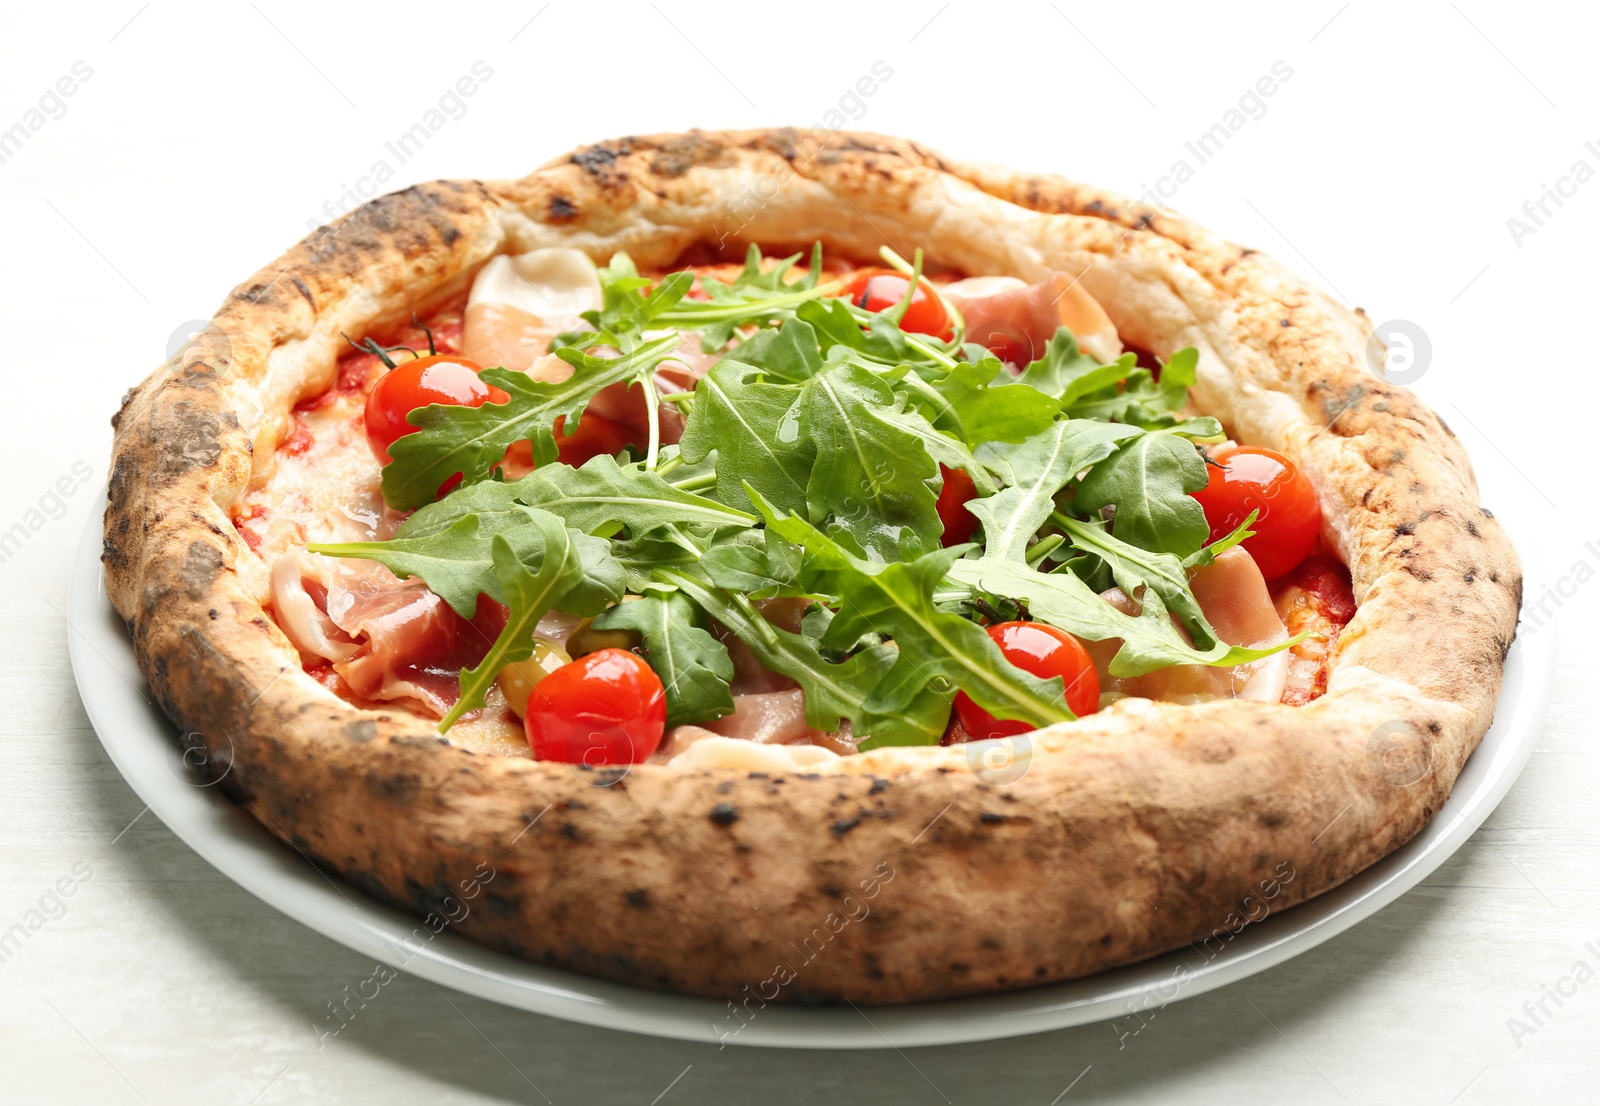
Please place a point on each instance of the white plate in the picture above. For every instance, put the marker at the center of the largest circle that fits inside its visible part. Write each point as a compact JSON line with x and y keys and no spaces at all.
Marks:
{"x":140,"y":740}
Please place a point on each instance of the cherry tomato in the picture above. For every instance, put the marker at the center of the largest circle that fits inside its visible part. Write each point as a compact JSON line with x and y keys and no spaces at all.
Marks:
{"x":881,"y":289}
{"x":594,"y":435}
{"x":1046,"y":652}
{"x":1007,"y":341}
{"x":959,"y":523}
{"x":444,"y":378}
{"x":1247,"y":478}
{"x":606,"y":708}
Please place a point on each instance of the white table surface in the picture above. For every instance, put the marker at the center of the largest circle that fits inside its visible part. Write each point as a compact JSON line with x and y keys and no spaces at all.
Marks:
{"x":1386,"y":168}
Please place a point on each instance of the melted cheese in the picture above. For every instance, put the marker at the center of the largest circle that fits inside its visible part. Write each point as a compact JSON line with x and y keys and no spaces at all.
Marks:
{"x":518,"y":304}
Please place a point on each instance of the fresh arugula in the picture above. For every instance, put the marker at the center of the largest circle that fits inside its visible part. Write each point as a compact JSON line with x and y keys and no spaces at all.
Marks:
{"x":835,"y":691}
{"x":935,"y":647}
{"x":694,"y":666}
{"x":809,"y":466}
{"x":531,"y":591}
{"x":473,"y":440}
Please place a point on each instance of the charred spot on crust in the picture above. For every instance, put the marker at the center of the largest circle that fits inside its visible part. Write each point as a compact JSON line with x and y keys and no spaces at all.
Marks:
{"x":1405,"y":529}
{"x":562,"y":209}
{"x":638,"y":898}
{"x":990,"y":818}
{"x":878,"y":785}
{"x":607,"y":777}
{"x":598,"y":160}
{"x":1284,"y":323}
{"x":724,"y":814}
{"x":571,"y":832}
{"x":844,"y":826}
{"x":190,"y":440}
{"x":202,"y":562}
{"x":362,"y":730}
{"x":678,"y":155}
{"x":304,"y":291}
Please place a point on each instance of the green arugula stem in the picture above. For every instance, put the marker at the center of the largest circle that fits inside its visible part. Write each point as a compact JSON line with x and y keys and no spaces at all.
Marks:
{"x":957,"y":319}
{"x":695,"y":483}
{"x":652,"y":404}
{"x":928,"y":351}
{"x":696,"y":314}
{"x":1043,"y":548}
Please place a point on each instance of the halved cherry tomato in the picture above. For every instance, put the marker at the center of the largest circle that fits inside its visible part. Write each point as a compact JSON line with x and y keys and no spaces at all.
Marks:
{"x":1046,"y":652}
{"x":881,"y":289}
{"x":959,"y":523}
{"x":1247,"y":478}
{"x":606,"y":708}
{"x":444,"y":378}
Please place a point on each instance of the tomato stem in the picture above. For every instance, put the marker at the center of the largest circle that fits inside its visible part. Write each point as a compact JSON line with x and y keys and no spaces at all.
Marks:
{"x":433,"y":351}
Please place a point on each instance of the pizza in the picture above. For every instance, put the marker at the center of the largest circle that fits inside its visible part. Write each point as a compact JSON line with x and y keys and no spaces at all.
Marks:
{"x":793,"y":567}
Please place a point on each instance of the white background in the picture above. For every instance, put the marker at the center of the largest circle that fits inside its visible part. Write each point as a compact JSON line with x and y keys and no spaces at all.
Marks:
{"x":1385,"y":168}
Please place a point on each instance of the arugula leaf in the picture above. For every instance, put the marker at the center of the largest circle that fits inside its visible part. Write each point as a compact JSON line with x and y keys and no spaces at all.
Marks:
{"x":457,"y":562}
{"x":530,"y":593}
{"x":761,"y":573}
{"x":1149,"y":480}
{"x":1036,"y":470}
{"x":745,"y":420}
{"x":1149,"y":639}
{"x":838,"y":326}
{"x":1138,"y":572}
{"x":983,"y":404}
{"x":869,"y":474}
{"x":789,"y":352}
{"x":944,"y":449}
{"x":1139,"y":399}
{"x":473,"y":440}
{"x":752,"y":296}
{"x":934,"y":647}
{"x":1069,"y":374}
{"x":1210,"y":553}
{"x":833,"y":691}
{"x":694,"y":667}
{"x":599,"y":498}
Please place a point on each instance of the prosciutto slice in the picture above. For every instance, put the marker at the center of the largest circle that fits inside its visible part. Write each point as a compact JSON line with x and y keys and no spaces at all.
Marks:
{"x":1017,"y":320}
{"x":390,"y":640}
{"x":1234,"y":597}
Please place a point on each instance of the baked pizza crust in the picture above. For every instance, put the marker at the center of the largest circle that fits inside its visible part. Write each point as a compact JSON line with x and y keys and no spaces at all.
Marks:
{"x":899,"y":874}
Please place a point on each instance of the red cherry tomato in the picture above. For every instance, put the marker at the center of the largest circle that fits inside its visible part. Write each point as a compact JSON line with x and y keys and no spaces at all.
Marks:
{"x":1008,"y":342}
{"x":881,"y":289}
{"x":594,"y":435}
{"x":959,"y":523}
{"x":606,"y":708}
{"x":1247,"y":478}
{"x":444,"y":378}
{"x":1046,"y":652}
